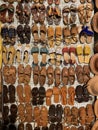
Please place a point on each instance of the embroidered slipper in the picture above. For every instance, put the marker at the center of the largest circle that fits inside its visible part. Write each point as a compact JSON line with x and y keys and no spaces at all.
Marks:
{"x":58,"y":56}
{"x":65,"y":76}
{"x":42,"y":78}
{"x":65,"y":52}
{"x":35,"y":52}
{"x":50,"y":75}
{"x":67,"y":35}
{"x":36,"y":70}
{"x":72,"y":52}
{"x":49,"y":94}
{"x":43,"y":52}
{"x":58,"y":34}
{"x":57,"y":74}
{"x":79,"y":51}
{"x":87,"y":52}
{"x":11,"y":55}
{"x":20,"y":93}
{"x":56,"y":94}
{"x":4,"y":55}
{"x":51,"y":59}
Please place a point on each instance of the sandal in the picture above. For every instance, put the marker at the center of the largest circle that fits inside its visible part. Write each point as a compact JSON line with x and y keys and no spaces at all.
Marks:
{"x":73,"y":11}
{"x":11,"y":93}
{"x":4,"y":55}
{"x":58,"y":56}
{"x":29,"y":112}
{"x":49,"y":93}
{"x":34,"y":11}
{"x":71,"y":73}
{"x":26,"y":54}
{"x":89,"y":10}
{"x":43,"y":31}
{"x":10,"y":13}
{"x":72,"y":52}
{"x":11,"y":55}
{"x":71,"y":95}
{"x":65,"y":13}
{"x":50,"y":75}
{"x":3,"y":11}
{"x":58,"y":34}
{"x":21,"y":73}
{"x":50,"y":15}
{"x":65,"y":76}
{"x":27,"y":34}
{"x":35,"y":33}
{"x":21,"y":113}
{"x":42,"y":95}
{"x":63,"y":92}
{"x":56,"y":93}
{"x":51,"y":113}
{"x":28,"y":126}
{"x":42,"y":12}
{"x":65,"y":52}
{"x":51,"y":59}
{"x":27,"y":74}
{"x":56,"y":15}
{"x":79,"y":51}
{"x":42,"y":78}
{"x":27,"y":93}
{"x":20,"y":93}
{"x":36,"y":70}
{"x":50,"y":2}
{"x":34,"y":52}
{"x":50,"y":33}
{"x":37,"y":115}
{"x":27,"y":13}
{"x":67,"y":35}
{"x":12,"y":35}
{"x":87,"y":52}
{"x":43,"y":52}
{"x":86,"y":71}
{"x":57,"y":74}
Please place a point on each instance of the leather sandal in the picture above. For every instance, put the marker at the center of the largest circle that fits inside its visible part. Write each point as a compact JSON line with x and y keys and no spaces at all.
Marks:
{"x":41,"y":13}
{"x":21,"y":73}
{"x":63,"y":93}
{"x":34,"y":11}
{"x":28,"y":126}
{"x":20,"y":92}
{"x":4,"y":55}
{"x":71,"y":95}
{"x":21,"y":126}
{"x":29,"y":112}
{"x":57,"y":74}
{"x":67,"y":115}
{"x":56,"y":93}
{"x":72,"y":52}
{"x":36,"y":71}
{"x":86,"y":71}
{"x":52,"y":127}
{"x":58,"y":34}
{"x":11,"y":93}
{"x":10,"y":13}
{"x":58,"y":56}
{"x":51,"y":113}
{"x":71,"y":72}
{"x":50,"y":75}
{"x":67,"y":35}
{"x":27,"y":13}
{"x":35,"y":96}
{"x":65,"y":52}
{"x":42,"y":94}
{"x":82,"y":115}
{"x":11,"y":55}
{"x":56,"y":15}
{"x":43,"y":31}
{"x":87,"y":52}
{"x":59,"y":112}
{"x":49,"y":93}
{"x":50,"y":33}
{"x":89,"y":10}
{"x":21,"y":113}
{"x":3,"y":11}
{"x":12,"y":35}
{"x":43,"y":52}
{"x":34,"y":52}
{"x":50,"y":15}
{"x":27,"y":93}
{"x":5,"y":95}
{"x":65,"y":13}
{"x":51,"y":59}
{"x":26,"y":54}
{"x":79,"y":51}
{"x":35,"y":33}
{"x":37,"y":115}
{"x":27,"y":74}
{"x":65,"y":76}
{"x":42,"y":78}
{"x":73,"y":11}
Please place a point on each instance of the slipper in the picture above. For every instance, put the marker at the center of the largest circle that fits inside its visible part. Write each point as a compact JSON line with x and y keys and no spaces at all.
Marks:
{"x":49,"y":93}
{"x":87,"y":52}
{"x":71,"y":72}
{"x":63,"y":93}
{"x":35,"y":33}
{"x":57,"y":15}
{"x":34,"y":11}
{"x":67,"y":35}
{"x":57,"y":74}
{"x":65,"y":52}
{"x":43,"y":31}
{"x":36,"y":70}
{"x":42,"y":78}
{"x":11,"y":55}
{"x":58,"y":34}
{"x":58,"y":56}
{"x":10,"y":13}
{"x":4,"y":55}
{"x":79,"y":52}
{"x":65,"y":13}
{"x":56,"y":94}
{"x":51,"y":59}
{"x":72,"y":52}
{"x":35,"y":52}
{"x":26,"y":54}
{"x":21,"y":73}
{"x":50,"y":15}
{"x":65,"y":76}
{"x":20,"y":93}
{"x":41,"y":13}
{"x":27,"y":93}
{"x":71,"y":95}
{"x":3,"y":11}
{"x":43,"y":52}
{"x":50,"y":75}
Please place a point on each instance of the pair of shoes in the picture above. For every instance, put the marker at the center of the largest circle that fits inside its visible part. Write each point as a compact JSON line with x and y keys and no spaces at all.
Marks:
{"x":3,"y":13}
{"x":83,"y":53}
{"x":35,"y":33}
{"x":69,"y":14}
{"x":53,"y":15}
{"x":69,"y":55}
{"x":8,"y":35}
{"x":35,"y":53}
{"x":55,"y":56}
{"x":23,"y":13}
{"x":24,"y":34}
{"x":38,"y":13}
{"x":8,"y":55}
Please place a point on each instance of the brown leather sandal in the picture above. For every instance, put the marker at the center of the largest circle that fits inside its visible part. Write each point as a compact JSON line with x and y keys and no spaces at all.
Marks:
{"x":42,"y":78}
{"x":50,"y":33}
{"x":71,"y":71}
{"x":43,"y":31}
{"x":10,"y":13}
{"x":71,"y":95}
{"x":4,"y":55}
{"x":20,"y":93}
{"x":21,"y":73}
{"x":41,"y":13}
{"x":50,"y":75}
{"x":29,"y":113}
{"x":36,"y":113}
{"x":27,"y":74}
{"x":57,"y":75}
{"x":3,"y":10}
{"x":36,"y":71}
{"x":35,"y":33}
{"x":49,"y":93}
{"x":34,"y":10}
{"x":65,"y":76}
{"x":65,"y":13}
{"x":21,"y":112}
{"x":67,"y":35}
{"x":58,"y":34}
{"x":27,"y":93}
{"x":56,"y":93}
{"x":11,"y":55}
{"x":63,"y":92}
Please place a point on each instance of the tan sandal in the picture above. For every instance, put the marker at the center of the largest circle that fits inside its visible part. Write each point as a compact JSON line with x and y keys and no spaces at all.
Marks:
{"x":20,"y":93}
{"x":87,"y":52}
{"x":49,"y":93}
{"x":4,"y":55}
{"x":79,"y":51}
{"x":67,"y":35}
{"x":56,"y":93}
{"x":50,"y":33}
{"x":63,"y":92}
{"x":35,"y":33}
{"x":27,"y":93}
{"x":58,"y":34}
